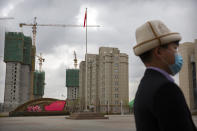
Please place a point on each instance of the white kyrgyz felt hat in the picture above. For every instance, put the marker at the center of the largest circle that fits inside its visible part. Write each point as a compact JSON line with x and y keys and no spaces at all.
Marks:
{"x":153,"y":34}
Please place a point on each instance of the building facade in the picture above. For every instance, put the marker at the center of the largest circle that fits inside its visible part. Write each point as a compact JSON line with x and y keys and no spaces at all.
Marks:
{"x":107,"y":81}
{"x":72,"y":84}
{"x":38,"y":84}
{"x":1,"y":107}
{"x":188,"y":75}
{"x":14,"y":95}
{"x":17,"y":53}
{"x":18,"y":59}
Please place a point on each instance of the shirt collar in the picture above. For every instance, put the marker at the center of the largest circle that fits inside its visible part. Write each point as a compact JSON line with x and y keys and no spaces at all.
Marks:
{"x":162,"y":72}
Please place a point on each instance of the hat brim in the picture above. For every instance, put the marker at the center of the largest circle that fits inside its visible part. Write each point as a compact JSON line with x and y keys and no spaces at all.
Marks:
{"x":153,"y":43}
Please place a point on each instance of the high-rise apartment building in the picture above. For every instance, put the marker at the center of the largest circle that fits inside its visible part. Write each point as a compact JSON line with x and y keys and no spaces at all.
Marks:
{"x":188,"y":75}
{"x":107,"y":81}
{"x":72,"y":84}
{"x":18,"y":59}
{"x":17,"y":55}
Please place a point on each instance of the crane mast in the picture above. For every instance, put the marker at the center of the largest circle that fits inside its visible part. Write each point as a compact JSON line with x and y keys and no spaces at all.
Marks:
{"x":75,"y":60}
{"x":41,"y":60}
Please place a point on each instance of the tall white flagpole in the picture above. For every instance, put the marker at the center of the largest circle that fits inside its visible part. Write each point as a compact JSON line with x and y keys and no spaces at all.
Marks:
{"x":86,"y":100}
{"x":86,"y":79}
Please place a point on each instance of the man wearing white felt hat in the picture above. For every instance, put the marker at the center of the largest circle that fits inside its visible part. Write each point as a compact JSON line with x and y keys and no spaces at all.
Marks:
{"x":159,"y":103}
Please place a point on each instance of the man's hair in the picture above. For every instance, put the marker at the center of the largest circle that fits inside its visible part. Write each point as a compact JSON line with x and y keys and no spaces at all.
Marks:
{"x":147,"y":56}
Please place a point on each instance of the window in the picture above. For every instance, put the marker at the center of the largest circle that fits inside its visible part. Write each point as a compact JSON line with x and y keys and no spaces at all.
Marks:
{"x":116,"y":64}
{"x":116,"y":70}
{"x":116,"y":89}
{"x":116,"y":76}
{"x":116,"y":102}
{"x":116,"y":83}
{"x":116,"y":95}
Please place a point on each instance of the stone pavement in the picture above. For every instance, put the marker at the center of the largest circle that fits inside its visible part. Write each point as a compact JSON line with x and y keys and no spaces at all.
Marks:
{"x":59,"y":123}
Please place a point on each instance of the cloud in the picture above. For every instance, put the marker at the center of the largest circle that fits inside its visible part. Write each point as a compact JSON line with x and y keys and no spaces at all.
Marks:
{"x":8,"y":6}
{"x":119,"y":20}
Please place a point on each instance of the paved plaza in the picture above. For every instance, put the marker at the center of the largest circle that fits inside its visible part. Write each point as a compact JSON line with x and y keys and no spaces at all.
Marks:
{"x":59,"y":123}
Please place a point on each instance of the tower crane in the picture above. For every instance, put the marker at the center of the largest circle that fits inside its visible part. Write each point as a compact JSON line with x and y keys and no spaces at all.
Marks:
{"x":34,"y":27}
{"x":75,"y":60}
{"x":35,"y":24}
{"x":6,"y":18}
{"x":41,"y":60}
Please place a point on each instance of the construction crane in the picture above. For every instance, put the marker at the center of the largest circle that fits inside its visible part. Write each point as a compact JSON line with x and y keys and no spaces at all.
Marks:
{"x":6,"y":18}
{"x":35,"y":24}
{"x":41,"y":60}
{"x":34,"y":27}
{"x":75,"y":60}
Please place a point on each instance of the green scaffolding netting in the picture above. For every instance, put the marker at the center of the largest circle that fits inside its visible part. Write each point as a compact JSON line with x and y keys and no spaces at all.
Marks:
{"x":27,"y":50}
{"x":39,"y":83}
{"x":18,"y":48}
{"x":72,"y":78}
{"x":13,"y":49}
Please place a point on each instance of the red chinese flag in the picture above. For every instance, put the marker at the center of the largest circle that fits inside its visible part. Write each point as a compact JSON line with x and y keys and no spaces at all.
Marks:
{"x":85,"y":18}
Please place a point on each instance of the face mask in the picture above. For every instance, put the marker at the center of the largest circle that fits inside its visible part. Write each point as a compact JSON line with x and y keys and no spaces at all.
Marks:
{"x":176,"y":67}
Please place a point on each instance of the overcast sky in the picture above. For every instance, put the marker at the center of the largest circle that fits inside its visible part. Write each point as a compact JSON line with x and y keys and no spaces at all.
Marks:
{"x":119,"y":20}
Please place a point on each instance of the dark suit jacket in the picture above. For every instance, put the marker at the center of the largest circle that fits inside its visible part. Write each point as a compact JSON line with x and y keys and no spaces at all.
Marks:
{"x":160,"y":105}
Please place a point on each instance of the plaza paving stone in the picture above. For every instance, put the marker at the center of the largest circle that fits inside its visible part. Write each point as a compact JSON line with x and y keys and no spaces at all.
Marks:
{"x":59,"y":123}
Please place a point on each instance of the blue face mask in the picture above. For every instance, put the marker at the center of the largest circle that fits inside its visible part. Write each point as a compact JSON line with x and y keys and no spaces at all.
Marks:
{"x":176,"y":67}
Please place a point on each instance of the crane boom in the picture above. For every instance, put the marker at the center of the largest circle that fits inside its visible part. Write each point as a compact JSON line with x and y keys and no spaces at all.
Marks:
{"x":35,"y":24}
{"x":6,"y":18}
{"x":57,"y":25}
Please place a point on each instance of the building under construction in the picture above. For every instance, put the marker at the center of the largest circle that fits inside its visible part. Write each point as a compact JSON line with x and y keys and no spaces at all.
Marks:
{"x":72,"y":81}
{"x":20,"y":62}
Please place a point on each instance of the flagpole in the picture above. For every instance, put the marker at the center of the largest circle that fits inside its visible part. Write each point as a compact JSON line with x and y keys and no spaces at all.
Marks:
{"x":86,"y":100}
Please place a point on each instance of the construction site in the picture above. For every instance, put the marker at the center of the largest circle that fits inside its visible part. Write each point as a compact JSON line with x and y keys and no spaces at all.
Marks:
{"x":86,"y":88}
{"x":22,"y":82}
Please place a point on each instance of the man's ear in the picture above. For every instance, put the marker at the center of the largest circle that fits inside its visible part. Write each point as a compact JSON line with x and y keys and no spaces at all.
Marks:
{"x":157,"y":52}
